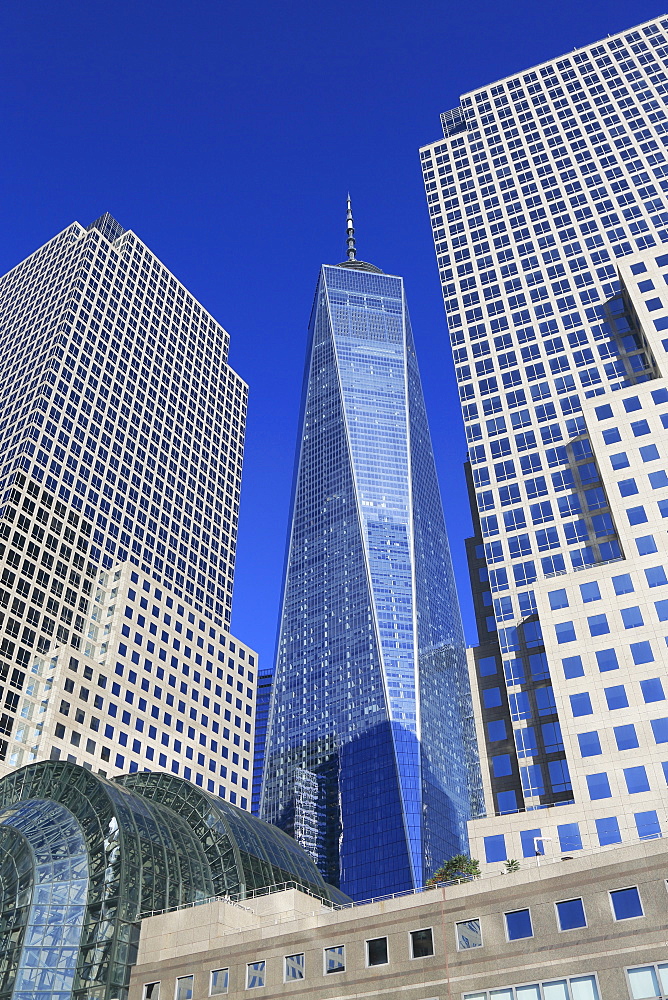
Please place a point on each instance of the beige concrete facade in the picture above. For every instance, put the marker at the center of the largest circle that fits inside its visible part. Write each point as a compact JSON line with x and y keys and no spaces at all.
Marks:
{"x":154,"y":686}
{"x":587,"y":962}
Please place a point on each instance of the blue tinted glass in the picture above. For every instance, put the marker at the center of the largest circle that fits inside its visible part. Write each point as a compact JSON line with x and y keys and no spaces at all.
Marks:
{"x":572,"y":666}
{"x":598,"y":786}
{"x":487,"y":666}
{"x":495,"y":848}
{"x":642,"y":652}
{"x":626,"y":903}
{"x":598,"y":625}
{"x":491,"y":697}
{"x":649,"y":453}
{"x":604,"y":412}
{"x":590,"y":592}
{"x":507,"y":801}
{"x":611,"y":435}
{"x":560,"y":778}
{"x":619,"y":461}
{"x":496,"y":730}
{"x":581,"y":704}
{"x":646,"y":545}
{"x":647,"y":824}
{"x":661,"y":610}
{"x":529,"y":847}
{"x":590,"y":744}
{"x":636,"y":515}
{"x":616,"y":697}
{"x":660,"y":730}
{"x":607,"y":830}
{"x":652,"y":690}
{"x":622,"y":584}
{"x":518,"y":925}
{"x":656,"y":576}
{"x":501,"y":765}
{"x":571,"y":913}
{"x":627,"y":487}
{"x":606,"y":660}
{"x":565,"y":632}
{"x":636,"y":779}
{"x":558,"y":599}
{"x":631,"y":617}
{"x":626,"y":737}
{"x":569,"y":837}
{"x":632,"y":403}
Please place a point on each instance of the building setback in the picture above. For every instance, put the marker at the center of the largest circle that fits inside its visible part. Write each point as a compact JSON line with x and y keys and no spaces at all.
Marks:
{"x":121,"y":444}
{"x":369,"y":748}
{"x":547,"y":198}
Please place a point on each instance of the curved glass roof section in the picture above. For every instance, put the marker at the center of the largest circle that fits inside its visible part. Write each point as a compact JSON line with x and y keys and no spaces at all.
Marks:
{"x":82,"y":859}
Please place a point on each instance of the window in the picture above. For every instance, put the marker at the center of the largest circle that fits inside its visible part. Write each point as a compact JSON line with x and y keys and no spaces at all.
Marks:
{"x":422,"y":943}
{"x":558,"y":599}
{"x":598,"y":786}
{"x":660,"y":730}
{"x":495,"y":848}
{"x":572,"y":666}
{"x":184,"y":988}
{"x":220,"y":981}
{"x":293,"y":968}
{"x":652,"y":690}
{"x":616,"y":697}
{"x":590,"y":744}
{"x":255,"y":972}
{"x":632,"y":617}
{"x":335,"y":959}
{"x":570,"y":914}
{"x":626,"y":903}
{"x":636,"y":779}
{"x":581,"y":704}
{"x":656,"y":576}
{"x":647,"y":824}
{"x":646,"y":545}
{"x":590,"y":592}
{"x":598,"y":625}
{"x":607,"y":830}
{"x":577,"y":988}
{"x":569,"y":837}
{"x":152,"y":991}
{"x":606,"y":660}
{"x":565,"y":632}
{"x":626,"y":737}
{"x":376,"y":951}
{"x":468,"y":934}
{"x":622,"y":584}
{"x":648,"y":981}
{"x":518,"y":925}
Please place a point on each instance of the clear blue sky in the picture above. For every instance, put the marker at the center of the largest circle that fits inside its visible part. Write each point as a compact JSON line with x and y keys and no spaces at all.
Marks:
{"x":226,"y":134}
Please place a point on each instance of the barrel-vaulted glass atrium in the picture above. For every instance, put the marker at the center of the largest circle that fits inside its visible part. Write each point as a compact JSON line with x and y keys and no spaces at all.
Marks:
{"x":82,"y":859}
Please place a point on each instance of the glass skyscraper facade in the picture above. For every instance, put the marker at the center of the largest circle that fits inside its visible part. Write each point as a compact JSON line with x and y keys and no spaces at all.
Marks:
{"x":369,"y":760}
{"x":548,"y":197}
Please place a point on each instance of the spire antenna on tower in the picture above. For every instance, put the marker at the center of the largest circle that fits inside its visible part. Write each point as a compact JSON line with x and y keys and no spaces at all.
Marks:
{"x":350,"y":233}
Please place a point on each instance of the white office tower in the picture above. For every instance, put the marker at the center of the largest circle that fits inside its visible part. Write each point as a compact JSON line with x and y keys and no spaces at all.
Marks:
{"x":121,"y":443}
{"x":548,"y":199}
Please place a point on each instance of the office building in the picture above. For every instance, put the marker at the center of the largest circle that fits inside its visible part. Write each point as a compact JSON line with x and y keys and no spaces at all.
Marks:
{"x":593,"y":928}
{"x":369,"y":749}
{"x":262,"y":700}
{"x":548,"y":203}
{"x":83,"y":858}
{"x":121,"y":440}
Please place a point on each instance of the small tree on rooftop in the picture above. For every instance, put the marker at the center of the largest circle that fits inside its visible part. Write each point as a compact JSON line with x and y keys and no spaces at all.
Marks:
{"x":460,"y":866}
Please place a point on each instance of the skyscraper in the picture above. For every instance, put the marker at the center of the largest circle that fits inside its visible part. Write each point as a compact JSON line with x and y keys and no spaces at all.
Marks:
{"x":368,"y":757}
{"x":548,"y":203}
{"x":121,"y":442}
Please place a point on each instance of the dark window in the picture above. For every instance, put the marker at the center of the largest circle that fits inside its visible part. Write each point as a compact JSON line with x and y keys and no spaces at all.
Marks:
{"x":422,"y":943}
{"x":376,"y":951}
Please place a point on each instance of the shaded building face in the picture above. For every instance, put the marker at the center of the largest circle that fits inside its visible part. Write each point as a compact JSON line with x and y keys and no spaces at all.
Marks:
{"x":366,"y":747}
